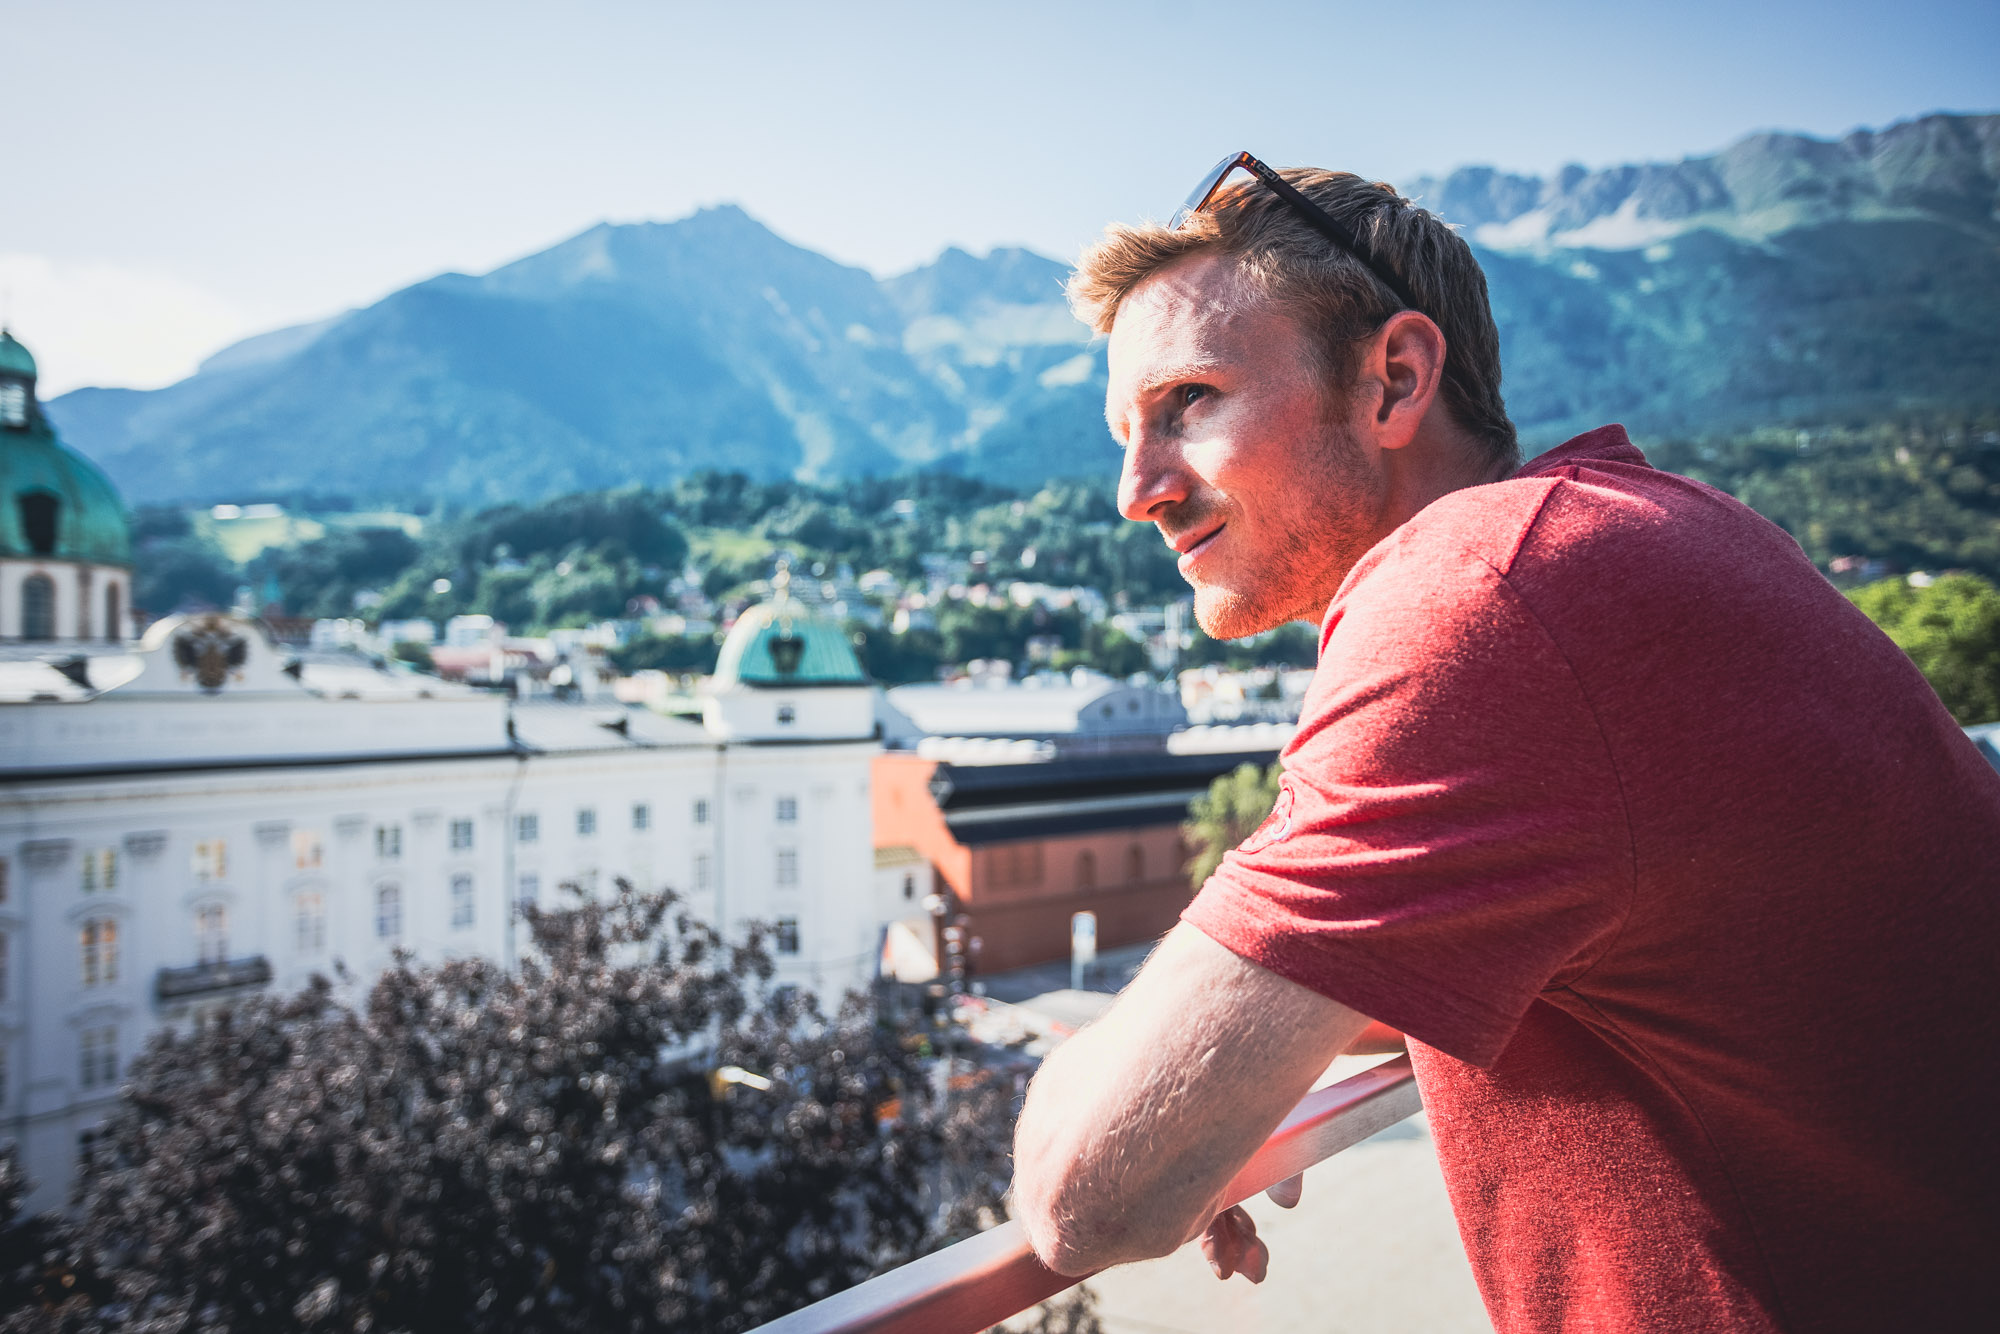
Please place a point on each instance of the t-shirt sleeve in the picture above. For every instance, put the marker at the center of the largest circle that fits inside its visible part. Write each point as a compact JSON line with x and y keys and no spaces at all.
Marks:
{"x":1450,"y":839}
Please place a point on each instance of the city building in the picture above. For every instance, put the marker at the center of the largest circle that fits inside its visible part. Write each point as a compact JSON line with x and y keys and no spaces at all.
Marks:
{"x":1017,"y":842}
{"x":1079,"y":713}
{"x":203,"y":814}
{"x":1027,"y":802}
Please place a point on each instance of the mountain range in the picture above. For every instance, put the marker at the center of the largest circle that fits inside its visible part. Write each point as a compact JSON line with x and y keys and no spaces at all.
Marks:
{"x":1785,"y":279}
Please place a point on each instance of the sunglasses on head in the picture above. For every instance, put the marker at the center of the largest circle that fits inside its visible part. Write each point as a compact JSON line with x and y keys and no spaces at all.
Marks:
{"x":1312,"y":214}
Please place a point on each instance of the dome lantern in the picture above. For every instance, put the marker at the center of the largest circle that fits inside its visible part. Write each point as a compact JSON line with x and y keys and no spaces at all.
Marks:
{"x":17,"y":384}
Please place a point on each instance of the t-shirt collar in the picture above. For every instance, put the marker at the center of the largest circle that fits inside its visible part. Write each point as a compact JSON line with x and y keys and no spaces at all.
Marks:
{"x":1606,"y":444}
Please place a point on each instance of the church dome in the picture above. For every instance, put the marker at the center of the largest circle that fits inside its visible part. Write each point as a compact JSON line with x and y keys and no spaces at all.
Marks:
{"x":54,"y":503}
{"x":14,"y":359}
{"x":782,"y":644}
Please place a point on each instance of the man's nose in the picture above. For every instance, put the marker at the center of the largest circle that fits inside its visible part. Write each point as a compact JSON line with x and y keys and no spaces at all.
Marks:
{"x":1151,"y":478}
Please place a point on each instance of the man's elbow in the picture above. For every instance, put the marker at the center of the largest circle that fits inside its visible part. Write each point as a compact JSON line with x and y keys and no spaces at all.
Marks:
{"x":1076,"y":1230}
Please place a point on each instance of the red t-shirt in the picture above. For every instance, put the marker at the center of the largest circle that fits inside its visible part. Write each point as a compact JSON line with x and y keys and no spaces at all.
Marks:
{"x":1682,"y":883}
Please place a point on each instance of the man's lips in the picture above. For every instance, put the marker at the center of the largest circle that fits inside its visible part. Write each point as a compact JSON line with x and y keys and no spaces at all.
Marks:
{"x":1192,"y":542}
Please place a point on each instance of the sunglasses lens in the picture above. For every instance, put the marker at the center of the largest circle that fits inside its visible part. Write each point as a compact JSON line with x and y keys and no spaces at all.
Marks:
{"x":1200,"y":194}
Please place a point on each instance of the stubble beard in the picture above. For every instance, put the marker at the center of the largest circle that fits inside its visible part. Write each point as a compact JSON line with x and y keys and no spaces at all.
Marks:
{"x":1298,"y":578}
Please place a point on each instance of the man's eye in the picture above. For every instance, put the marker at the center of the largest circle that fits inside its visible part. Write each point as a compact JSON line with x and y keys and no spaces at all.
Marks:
{"x":1194,"y":393}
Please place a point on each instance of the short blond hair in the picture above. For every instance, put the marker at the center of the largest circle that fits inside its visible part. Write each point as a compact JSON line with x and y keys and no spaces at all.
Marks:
{"x":1324,"y":285}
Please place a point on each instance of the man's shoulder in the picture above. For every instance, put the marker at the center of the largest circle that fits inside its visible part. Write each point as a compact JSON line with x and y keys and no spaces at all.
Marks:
{"x":1592,"y":509}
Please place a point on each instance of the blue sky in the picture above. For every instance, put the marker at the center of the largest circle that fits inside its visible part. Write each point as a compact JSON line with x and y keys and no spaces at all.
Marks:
{"x":179,"y":175}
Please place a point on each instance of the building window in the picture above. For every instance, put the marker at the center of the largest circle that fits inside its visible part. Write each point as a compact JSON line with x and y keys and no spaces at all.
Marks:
{"x":38,"y":607}
{"x":586,"y":821}
{"x":461,"y":900}
{"x":461,"y":835}
{"x":909,"y":886}
{"x":787,"y":715}
{"x":112,"y":608}
{"x":1016,"y":864}
{"x":1086,"y":870}
{"x":528,"y":890}
{"x":788,"y":935}
{"x":13,"y":405}
{"x":388,"y":842}
{"x":211,"y":860}
{"x":308,"y":850}
{"x":388,"y":913}
{"x":211,"y":932}
{"x":41,"y":521}
{"x":99,"y":940}
{"x":788,"y":810}
{"x":788,"y":867}
{"x":100,"y":870}
{"x":1135,"y":863}
{"x":97,"y":1057}
{"x":4,"y":961}
{"x":703,"y":881}
{"x":701,"y":810}
{"x":527,"y":828}
{"x":642,"y":816}
{"x":6,"y":871}
{"x":309,"y":912}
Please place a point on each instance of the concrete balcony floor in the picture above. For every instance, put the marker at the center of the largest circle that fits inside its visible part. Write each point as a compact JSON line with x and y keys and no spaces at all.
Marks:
{"x":1371,"y":1249}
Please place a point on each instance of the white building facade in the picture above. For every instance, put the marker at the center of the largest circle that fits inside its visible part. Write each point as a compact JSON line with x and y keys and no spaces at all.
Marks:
{"x":198,"y":817}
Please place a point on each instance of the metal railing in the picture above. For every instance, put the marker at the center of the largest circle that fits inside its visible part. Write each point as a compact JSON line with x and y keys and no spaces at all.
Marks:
{"x":974,"y":1285}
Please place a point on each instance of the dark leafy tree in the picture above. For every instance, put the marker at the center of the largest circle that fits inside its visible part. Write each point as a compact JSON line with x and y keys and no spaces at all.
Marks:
{"x":320,"y":578}
{"x":1229,"y":812}
{"x":1951,"y":630}
{"x":1293,"y":645}
{"x":899,"y":659}
{"x":628,"y":1132}
{"x":678,"y":654}
{"x":181,"y":573}
{"x":40,"y":1289}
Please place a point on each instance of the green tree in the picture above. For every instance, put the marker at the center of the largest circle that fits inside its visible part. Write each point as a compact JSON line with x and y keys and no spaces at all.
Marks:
{"x":172,"y":574}
{"x":679,"y":654}
{"x":416,"y":654}
{"x":1951,"y":630}
{"x":899,"y":659}
{"x":1222,"y":817}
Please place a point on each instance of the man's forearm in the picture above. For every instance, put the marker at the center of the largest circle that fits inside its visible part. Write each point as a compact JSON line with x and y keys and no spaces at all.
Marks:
{"x":1134,"y":1127}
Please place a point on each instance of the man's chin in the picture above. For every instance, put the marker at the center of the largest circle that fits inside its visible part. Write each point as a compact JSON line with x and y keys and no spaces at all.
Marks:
{"x":1224,"y":613}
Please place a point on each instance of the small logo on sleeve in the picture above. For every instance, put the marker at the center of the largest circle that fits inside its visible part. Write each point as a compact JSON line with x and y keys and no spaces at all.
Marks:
{"x":1276,"y":825}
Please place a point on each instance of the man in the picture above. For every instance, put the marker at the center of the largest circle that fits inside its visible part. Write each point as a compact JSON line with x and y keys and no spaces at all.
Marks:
{"x":1673,"y":869}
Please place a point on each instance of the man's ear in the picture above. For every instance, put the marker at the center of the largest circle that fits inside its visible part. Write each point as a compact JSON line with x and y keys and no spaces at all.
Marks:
{"x":1406,"y":360}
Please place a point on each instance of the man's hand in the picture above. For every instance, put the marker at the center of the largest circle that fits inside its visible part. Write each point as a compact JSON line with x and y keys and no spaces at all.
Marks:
{"x":1134,"y":1128}
{"x":1231,"y":1244}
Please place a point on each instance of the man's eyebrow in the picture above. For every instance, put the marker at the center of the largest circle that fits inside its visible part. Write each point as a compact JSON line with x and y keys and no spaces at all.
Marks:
{"x":1195,"y":368}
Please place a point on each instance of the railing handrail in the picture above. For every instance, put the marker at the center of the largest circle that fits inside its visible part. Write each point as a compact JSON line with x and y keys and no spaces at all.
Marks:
{"x":979,"y":1282}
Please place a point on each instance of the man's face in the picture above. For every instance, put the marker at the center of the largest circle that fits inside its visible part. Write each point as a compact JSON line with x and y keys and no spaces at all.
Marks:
{"x":1233,"y":449}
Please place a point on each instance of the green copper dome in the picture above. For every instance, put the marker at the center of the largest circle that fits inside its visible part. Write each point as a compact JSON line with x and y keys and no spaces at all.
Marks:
{"x":14,"y":359}
{"x":54,"y":503}
{"x":780,"y":644}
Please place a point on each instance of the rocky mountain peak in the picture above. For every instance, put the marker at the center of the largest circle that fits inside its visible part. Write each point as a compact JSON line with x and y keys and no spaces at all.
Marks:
{"x":1942,"y":168}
